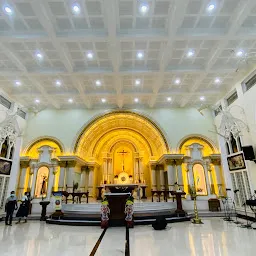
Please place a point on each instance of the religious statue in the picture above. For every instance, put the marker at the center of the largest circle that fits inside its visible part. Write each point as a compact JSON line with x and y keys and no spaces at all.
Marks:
{"x":129,"y":212}
{"x":105,"y":211}
{"x":44,"y":186}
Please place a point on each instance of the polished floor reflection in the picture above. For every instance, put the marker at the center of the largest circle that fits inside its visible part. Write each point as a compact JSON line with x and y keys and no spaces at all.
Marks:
{"x":213,"y":238}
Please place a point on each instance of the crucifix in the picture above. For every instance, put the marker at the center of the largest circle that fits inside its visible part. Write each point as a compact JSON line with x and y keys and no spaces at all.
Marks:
{"x":123,"y":153}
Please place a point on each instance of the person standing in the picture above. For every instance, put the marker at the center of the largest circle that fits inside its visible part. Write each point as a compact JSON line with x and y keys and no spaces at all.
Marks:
{"x":23,"y":209}
{"x":10,"y":206}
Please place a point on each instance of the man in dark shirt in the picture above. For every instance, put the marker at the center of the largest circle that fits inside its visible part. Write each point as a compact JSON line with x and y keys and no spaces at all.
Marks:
{"x":10,"y":206}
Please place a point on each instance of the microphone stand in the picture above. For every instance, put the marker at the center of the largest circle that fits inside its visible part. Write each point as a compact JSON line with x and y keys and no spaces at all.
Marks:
{"x":248,"y":225}
{"x":234,"y":204}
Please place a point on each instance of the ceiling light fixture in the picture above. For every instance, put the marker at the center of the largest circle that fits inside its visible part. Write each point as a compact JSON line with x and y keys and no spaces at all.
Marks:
{"x":211,"y":7}
{"x":177,"y":81}
{"x":202,"y":98}
{"x":8,"y":10}
{"x":103,"y":100}
{"x":89,"y":55}
{"x":58,"y":82}
{"x":144,"y":8}
{"x":217,"y":80}
{"x":169,"y":99}
{"x":190,"y":53}
{"x":18,"y":83}
{"x":239,"y":53}
{"x":37,"y":101}
{"x":98,"y":82}
{"x":140,"y":55}
{"x":39,"y":55}
{"x":136,"y":100}
{"x":137,"y":82}
{"x":70,"y":100}
{"x":76,"y":8}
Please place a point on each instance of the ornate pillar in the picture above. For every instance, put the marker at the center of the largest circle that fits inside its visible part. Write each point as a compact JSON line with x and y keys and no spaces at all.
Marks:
{"x":110,"y":179}
{"x":208,"y":182}
{"x":216,"y":162}
{"x":54,"y":172}
{"x":24,"y":172}
{"x":62,"y":184}
{"x":179,"y":174}
{"x":162,"y":179}
{"x":83,"y":179}
{"x":170,"y":173}
{"x":33,"y":173}
{"x":153,"y":176}
{"x":190,"y":176}
{"x":70,"y":175}
{"x":91,"y":180}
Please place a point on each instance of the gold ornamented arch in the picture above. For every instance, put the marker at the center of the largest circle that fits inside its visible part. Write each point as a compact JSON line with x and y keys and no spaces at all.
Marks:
{"x":104,"y":131}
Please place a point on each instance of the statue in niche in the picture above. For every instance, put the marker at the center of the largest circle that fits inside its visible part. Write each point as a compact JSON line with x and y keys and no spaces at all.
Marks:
{"x":42,"y":182}
{"x":44,"y":186}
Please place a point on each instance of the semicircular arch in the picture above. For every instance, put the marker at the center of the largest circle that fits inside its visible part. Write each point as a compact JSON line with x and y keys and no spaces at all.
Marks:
{"x":118,"y":121}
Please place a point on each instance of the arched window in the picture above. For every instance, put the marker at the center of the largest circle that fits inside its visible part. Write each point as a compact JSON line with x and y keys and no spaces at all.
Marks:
{"x":4,"y":148}
{"x":42,"y":182}
{"x":199,"y":179}
{"x":233,"y":144}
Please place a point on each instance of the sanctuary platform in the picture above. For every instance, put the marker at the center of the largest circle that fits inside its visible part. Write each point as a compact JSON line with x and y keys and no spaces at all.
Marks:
{"x":144,"y":213}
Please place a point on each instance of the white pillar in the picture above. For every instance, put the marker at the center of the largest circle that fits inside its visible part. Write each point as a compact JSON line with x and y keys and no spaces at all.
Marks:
{"x":50,"y":185}
{"x":82,"y":179}
{"x":180,"y":176}
{"x":191,"y":182}
{"x":162,"y":181}
{"x":61,"y":185}
{"x":208,"y":184}
{"x":13,"y":181}
{"x":91,"y":179}
{"x":153,"y":177}
{"x":110,"y":172}
{"x":136,"y":171}
{"x":171,"y":175}
{"x":22,"y":185}
{"x":33,"y":171}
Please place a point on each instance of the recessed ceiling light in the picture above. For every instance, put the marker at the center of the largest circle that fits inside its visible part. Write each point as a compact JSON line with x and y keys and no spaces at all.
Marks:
{"x":144,"y":8}
{"x":140,"y":55}
{"x":103,"y":100}
{"x":190,"y":53}
{"x":169,"y":99}
{"x":89,"y":55}
{"x":39,"y":55}
{"x":70,"y":100}
{"x":177,"y":81}
{"x":18,"y":83}
{"x":8,"y":10}
{"x":217,"y":80}
{"x":58,"y":82}
{"x":211,"y":7}
{"x":98,"y":82}
{"x":37,"y":101}
{"x":137,"y":82}
{"x":136,"y":100}
{"x":202,"y":98}
{"x":239,"y":53}
{"x":76,"y":8}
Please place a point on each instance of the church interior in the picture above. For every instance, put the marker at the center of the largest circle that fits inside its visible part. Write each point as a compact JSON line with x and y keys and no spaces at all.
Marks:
{"x":128,"y":127}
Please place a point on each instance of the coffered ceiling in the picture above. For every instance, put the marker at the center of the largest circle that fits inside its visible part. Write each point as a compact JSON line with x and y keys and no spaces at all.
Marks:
{"x":123,"y":53}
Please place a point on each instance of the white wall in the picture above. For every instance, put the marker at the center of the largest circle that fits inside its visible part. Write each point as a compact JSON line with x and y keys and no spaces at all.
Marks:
{"x":65,"y":124}
{"x":247,"y":101}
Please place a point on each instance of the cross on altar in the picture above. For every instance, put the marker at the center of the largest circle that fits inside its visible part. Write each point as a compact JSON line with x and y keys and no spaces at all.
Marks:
{"x":123,"y":153}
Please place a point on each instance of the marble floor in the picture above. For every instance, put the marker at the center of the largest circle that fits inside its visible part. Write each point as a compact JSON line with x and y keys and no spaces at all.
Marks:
{"x":214,"y":238}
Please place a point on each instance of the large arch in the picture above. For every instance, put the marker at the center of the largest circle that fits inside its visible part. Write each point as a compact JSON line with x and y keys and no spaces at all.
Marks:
{"x":115,"y":125}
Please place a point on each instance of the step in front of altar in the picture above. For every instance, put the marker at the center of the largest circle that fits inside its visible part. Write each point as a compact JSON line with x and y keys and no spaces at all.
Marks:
{"x":89,"y":214}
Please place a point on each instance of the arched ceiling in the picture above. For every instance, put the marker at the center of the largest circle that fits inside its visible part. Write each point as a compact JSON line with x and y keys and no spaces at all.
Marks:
{"x":107,"y":129}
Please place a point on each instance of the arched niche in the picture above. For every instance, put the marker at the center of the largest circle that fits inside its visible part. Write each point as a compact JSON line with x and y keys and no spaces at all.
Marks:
{"x":41,"y":185}
{"x":32,"y":148}
{"x":199,"y":179}
{"x":207,"y":145}
{"x":104,"y":127}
